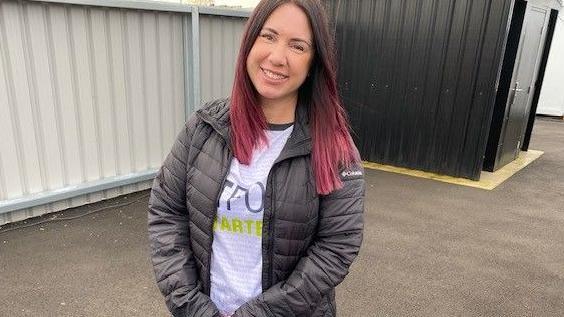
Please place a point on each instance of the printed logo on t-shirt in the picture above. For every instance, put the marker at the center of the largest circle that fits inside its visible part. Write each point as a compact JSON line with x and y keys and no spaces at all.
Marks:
{"x":238,"y":205}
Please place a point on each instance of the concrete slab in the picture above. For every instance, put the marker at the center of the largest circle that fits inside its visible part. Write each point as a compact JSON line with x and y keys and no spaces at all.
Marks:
{"x":488,"y":180}
{"x":430,"y":249}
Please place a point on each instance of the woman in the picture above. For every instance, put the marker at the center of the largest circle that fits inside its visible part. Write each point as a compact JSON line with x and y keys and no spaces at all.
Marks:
{"x":257,"y":210}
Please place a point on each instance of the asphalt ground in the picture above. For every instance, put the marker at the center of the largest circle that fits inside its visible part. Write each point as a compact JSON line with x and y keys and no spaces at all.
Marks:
{"x":430,"y":249}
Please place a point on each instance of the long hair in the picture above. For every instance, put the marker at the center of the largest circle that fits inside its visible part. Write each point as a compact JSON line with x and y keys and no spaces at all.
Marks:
{"x":332,"y":147}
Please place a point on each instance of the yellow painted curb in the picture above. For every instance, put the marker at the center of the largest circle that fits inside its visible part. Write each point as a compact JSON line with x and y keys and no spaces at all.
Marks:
{"x":487,"y":180}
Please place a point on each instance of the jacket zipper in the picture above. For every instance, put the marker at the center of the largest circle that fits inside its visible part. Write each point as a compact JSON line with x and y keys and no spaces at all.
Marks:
{"x":271,"y":227}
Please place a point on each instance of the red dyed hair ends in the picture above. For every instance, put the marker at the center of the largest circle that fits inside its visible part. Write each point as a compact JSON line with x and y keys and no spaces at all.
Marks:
{"x":332,"y":145}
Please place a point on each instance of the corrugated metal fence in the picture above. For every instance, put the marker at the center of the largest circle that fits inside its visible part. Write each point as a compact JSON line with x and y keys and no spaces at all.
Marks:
{"x":93,"y":93}
{"x":419,"y":77}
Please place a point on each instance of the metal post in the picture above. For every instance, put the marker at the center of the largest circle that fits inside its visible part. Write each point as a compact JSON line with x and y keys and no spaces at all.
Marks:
{"x":196,"y":78}
{"x":188,"y":65}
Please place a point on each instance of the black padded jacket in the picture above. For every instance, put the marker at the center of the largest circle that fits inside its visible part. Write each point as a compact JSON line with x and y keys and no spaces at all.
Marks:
{"x":308,"y":242}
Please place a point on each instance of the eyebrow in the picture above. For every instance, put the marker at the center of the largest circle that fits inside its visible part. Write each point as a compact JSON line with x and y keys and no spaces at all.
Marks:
{"x":293,"y":39}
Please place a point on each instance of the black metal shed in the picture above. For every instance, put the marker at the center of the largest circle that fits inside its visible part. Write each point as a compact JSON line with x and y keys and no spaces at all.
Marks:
{"x":419,"y":78}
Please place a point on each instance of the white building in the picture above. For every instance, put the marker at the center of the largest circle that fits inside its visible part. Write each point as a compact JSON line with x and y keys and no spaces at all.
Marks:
{"x":551,"y":100}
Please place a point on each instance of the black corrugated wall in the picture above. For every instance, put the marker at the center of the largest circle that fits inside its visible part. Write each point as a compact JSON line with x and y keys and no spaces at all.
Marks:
{"x":418,"y":78}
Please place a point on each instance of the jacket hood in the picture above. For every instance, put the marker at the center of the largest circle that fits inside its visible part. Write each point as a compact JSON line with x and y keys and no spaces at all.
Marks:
{"x":216,"y":114}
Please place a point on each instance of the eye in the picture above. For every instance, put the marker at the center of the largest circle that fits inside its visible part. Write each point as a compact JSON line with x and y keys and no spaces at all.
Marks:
{"x":267,"y":36}
{"x":298,"y":47}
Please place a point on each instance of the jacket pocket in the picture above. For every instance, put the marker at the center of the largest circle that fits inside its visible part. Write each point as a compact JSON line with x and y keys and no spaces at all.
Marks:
{"x":332,"y":308}
{"x":325,"y":308}
{"x":331,"y":302}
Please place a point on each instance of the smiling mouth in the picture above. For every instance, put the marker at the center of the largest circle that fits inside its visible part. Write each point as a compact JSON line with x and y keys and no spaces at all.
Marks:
{"x":273,"y":75}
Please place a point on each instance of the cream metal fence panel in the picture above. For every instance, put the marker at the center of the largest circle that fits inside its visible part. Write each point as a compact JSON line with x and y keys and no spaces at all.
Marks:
{"x":220,"y":37}
{"x":93,"y":93}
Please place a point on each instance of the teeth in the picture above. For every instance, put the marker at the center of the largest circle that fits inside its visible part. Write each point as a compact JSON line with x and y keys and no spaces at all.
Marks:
{"x":272,"y":75}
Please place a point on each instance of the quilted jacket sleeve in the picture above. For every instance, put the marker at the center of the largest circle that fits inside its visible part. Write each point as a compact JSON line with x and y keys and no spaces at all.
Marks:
{"x":171,"y":255}
{"x":328,"y":259}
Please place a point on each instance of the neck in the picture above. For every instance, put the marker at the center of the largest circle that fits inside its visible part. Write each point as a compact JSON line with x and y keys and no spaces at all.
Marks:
{"x":280,"y":111}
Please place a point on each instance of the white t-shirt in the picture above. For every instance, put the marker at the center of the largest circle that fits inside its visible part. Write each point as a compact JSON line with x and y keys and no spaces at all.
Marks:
{"x":236,"y":262}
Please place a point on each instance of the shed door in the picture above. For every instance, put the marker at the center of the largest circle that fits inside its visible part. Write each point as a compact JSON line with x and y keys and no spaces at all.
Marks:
{"x":523,"y":81}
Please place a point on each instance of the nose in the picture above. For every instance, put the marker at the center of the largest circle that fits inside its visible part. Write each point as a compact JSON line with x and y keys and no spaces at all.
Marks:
{"x":277,"y":56}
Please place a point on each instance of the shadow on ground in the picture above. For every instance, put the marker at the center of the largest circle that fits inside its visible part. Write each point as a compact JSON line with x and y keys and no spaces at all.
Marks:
{"x":430,"y":249}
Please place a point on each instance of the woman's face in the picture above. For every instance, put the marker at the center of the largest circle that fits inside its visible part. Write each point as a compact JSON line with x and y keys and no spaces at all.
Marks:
{"x":280,"y":58}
